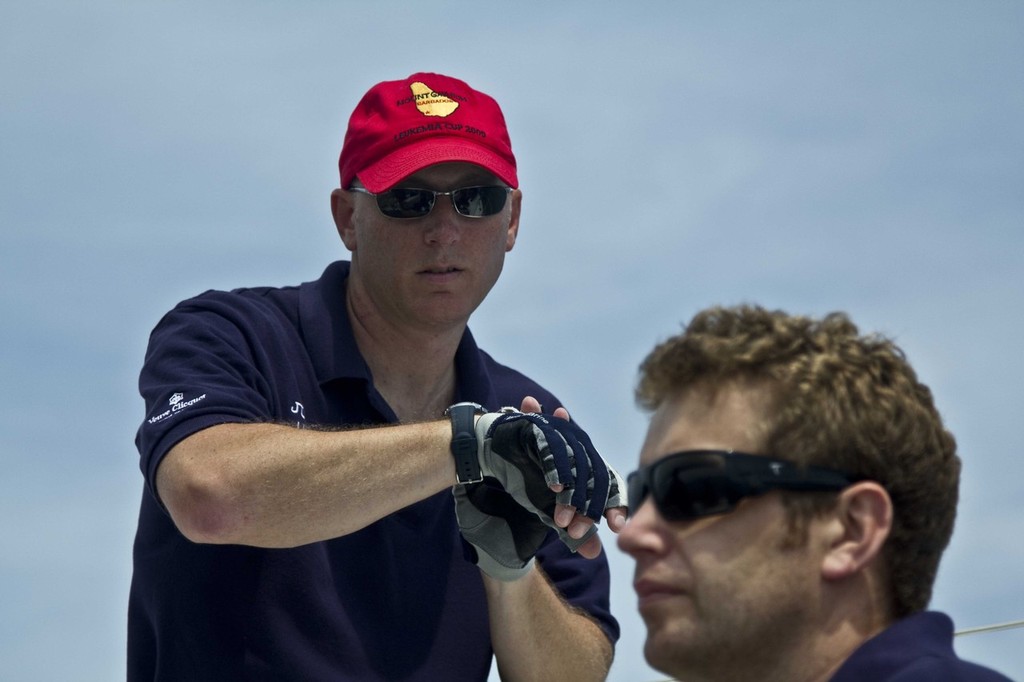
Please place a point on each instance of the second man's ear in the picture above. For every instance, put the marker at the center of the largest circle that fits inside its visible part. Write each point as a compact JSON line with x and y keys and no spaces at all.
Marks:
{"x":858,"y":530}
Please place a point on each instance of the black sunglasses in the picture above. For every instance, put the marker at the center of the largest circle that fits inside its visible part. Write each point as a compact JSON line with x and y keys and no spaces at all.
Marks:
{"x":694,"y":483}
{"x":408,"y":202}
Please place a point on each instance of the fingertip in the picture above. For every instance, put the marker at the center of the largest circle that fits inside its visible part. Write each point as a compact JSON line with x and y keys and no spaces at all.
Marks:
{"x":563,"y":516}
{"x":617,"y":519}
{"x":591,"y":549}
{"x":579,"y":527}
{"x":530,"y":404}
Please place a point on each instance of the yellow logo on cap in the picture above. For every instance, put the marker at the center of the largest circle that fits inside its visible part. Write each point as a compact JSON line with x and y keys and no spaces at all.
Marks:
{"x":431,"y":103}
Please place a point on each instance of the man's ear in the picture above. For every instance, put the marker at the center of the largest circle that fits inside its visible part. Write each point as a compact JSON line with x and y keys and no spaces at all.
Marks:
{"x":341,"y":210}
{"x":513,"y":223}
{"x":857,"y":530}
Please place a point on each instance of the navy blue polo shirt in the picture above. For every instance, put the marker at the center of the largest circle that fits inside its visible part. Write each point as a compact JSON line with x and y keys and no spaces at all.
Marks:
{"x":396,"y":600}
{"x":918,"y":648}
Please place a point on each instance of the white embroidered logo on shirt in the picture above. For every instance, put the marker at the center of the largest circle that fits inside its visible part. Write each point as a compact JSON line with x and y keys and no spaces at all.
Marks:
{"x":177,"y":403}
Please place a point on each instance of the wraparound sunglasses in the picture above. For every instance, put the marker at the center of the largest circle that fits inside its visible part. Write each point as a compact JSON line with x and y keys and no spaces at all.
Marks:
{"x":694,"y":483}
{"x":409,"y":202}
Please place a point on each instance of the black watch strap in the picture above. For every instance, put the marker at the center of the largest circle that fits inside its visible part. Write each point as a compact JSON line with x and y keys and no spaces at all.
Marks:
{"x":464,"y":444}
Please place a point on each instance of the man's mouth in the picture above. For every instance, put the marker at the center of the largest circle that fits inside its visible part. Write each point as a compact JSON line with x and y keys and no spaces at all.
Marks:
{"x":648,"y":591}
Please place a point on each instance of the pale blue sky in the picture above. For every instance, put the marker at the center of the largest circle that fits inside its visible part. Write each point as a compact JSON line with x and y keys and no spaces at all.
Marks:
{"x":811,"y":156}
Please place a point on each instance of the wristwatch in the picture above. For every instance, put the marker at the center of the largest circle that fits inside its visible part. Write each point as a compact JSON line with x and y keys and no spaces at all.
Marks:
{"x":464,"y":444}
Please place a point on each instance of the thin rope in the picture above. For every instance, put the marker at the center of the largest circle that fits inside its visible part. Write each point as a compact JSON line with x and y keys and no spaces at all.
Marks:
{"x":991,"y":628}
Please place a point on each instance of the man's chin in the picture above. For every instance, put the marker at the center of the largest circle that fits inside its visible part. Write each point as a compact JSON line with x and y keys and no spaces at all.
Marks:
{"x":668,"y":648}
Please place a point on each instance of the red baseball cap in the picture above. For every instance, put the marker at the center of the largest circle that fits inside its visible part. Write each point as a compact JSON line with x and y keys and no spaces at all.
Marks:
{"x":401,"y":127}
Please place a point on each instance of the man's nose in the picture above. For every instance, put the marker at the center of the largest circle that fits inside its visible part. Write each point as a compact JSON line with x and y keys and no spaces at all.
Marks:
{"x":443,"y":222}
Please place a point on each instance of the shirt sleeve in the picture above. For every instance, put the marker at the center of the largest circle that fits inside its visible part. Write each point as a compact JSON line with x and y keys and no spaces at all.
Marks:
{"x":201,"y":369}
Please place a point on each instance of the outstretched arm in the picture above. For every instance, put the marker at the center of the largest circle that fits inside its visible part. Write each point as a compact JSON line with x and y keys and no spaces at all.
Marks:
{"x":270,"y":485}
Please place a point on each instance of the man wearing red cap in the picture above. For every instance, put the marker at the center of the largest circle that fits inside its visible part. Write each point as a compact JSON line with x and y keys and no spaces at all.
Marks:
{"x":284,"y":534}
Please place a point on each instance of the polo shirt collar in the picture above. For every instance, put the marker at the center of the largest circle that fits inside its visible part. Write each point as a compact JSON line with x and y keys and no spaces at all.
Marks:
{"x":326,"y":329}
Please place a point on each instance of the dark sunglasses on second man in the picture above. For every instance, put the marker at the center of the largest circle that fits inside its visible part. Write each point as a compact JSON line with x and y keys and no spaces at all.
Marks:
{"x":694,"y":483}
{"x":408,"y":202}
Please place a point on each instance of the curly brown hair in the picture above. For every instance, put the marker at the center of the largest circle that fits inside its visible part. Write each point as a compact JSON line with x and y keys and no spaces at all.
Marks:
{"x":837,"y":399}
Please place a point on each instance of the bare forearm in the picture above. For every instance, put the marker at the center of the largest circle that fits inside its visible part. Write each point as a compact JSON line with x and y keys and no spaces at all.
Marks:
{"x":536,"y":635}
{"x":276,"y":486}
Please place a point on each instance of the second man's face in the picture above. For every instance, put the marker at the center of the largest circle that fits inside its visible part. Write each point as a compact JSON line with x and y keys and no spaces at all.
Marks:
{"x":717,"y":593}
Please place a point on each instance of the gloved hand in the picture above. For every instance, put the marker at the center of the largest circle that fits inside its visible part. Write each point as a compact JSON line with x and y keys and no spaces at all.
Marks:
{"x":504,"y":536}
{"x":528,"y":453}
